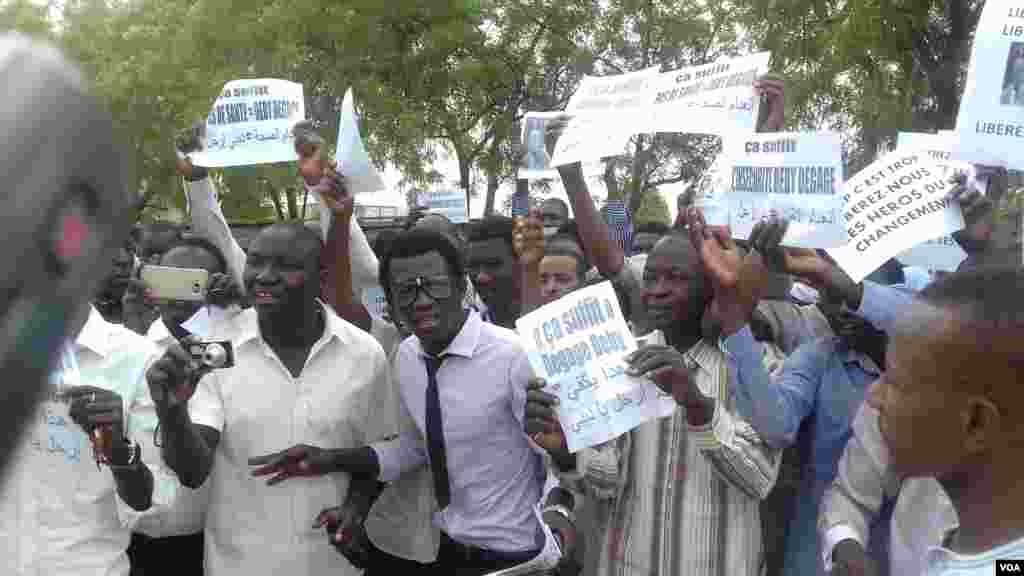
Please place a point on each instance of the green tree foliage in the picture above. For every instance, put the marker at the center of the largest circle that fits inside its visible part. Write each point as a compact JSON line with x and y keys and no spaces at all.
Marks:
{"x":653,"y":208}
{"x":871,"y":68}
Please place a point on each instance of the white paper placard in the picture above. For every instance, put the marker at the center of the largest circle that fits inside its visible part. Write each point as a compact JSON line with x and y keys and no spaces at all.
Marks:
{"x":897,"y":202}
{"x":715,"y":98}
{"x":990,"y":124}
{"x":796,"y":176}
{"x":578,"y":344}
{"x":251,"y":123}
{"x":353,"y":161}
{"x":449,"y":203}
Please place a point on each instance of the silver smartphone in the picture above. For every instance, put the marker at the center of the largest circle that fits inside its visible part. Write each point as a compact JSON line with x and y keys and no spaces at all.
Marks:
{"x":176,"y":284}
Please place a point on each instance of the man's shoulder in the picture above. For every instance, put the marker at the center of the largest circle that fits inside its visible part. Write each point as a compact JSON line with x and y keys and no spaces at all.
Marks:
{"x":497,"y":338}
{"x":357,"y":341}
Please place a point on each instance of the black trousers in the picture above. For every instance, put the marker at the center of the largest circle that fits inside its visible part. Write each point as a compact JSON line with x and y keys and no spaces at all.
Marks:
{"x":381,"y":563}
{"x":455,"y":559}
{"x":173,"y":556}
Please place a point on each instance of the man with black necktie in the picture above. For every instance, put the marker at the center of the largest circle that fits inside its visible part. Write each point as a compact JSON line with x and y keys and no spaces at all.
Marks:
{"x":462,"y":383}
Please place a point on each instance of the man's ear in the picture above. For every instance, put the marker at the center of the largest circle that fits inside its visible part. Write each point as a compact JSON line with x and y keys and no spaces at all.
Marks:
{"x":982,"y":425}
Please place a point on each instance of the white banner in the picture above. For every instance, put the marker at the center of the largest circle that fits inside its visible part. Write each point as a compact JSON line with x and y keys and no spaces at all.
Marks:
{"x":943,"y":253}
{"x":578,"y":344}
{"x":897,"y":202}
{"x":990,"y":125}
{"x":449,"y":203}
{"x":796,"y":176}
{"x":716,"y":98}
{"x":251,"y":123}
{"x":353,"y":161}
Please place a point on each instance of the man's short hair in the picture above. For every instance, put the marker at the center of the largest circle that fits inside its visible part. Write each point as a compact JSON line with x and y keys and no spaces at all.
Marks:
{"x":190,"y":241}
{"x":652,"y":227}
{"x":986,"y":306}
{"x":562,"y":206}
{"x":493,"y":227}
{"x":555,"y":246}
{"x":382,"y":242}
{"x":305,"y":134}
{"x":303,"y":233}
{"x":417,"y":242}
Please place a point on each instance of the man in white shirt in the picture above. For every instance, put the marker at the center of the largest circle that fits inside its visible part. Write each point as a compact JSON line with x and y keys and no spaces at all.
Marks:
{"x":301,"y":376}
{"x":61,"y":513}
{"x":464,"y":417}
{"x":175,"y":534}
{"x":864,"y":480}
{"x":946,"y":410}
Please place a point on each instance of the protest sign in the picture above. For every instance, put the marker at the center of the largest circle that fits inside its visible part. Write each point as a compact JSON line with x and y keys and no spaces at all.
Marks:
{"x":375,"y":301}
{"x":578,"y":344}
{"x":990,"y":125}
{"x":796,"y":176}
{"x":251,"y":123}
{"x":897,"y":202}
{"x":449,"y":203}
{"x":715,"y":98}
{"x":353,"y":161}
{"x":943,"y":253}
{"x":540,"y":132}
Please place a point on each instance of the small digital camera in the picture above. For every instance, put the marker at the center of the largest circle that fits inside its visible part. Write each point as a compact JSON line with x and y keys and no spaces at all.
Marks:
{"x":214,"y":355}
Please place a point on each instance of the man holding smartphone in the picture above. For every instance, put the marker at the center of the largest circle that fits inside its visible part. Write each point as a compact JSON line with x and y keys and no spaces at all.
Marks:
{"x":175,"y":535}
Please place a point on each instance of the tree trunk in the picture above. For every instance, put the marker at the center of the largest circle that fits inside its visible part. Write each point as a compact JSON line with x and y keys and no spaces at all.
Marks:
{"x":293,"y":206}
{"x":464,"y":166}
{"x":492,"y":178}
{"x":632,"y":194}
{"x":278,"y":208}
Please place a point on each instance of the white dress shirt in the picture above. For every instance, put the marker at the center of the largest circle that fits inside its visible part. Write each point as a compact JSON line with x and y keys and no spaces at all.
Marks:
{"x":59,"y":512}
{"x":923,"y":512}
{"x":496,"y":475}
{"x":399,"y":522}
{"x":183,"y":509}
{"x":260,"y":408}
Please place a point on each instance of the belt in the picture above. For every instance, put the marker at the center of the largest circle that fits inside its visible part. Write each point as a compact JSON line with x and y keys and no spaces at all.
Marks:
{"x":473,"y":555}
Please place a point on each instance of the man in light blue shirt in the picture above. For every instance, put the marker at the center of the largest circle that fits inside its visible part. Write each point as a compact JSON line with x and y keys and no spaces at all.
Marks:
{"x":824,"y":381}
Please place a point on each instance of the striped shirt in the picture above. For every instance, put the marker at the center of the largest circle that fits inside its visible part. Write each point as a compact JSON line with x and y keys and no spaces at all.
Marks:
{"x":685,"y":500}
{"x":620,"y":225}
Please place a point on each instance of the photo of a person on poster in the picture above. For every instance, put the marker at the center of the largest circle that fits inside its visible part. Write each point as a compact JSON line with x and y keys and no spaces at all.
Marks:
{"x":1013,"y":78}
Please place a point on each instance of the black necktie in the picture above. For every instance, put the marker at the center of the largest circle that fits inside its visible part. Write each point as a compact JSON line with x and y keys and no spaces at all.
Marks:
{"x":435,"y":435}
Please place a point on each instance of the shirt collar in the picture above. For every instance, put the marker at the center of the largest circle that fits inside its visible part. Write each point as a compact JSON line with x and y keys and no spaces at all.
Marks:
{"x":333,"y":326}
{"x":158,"y":332}
{"x":705,"y":355}
{"x":465,"y":342}
{"x":96,"y":334}
{"x":851,"y":356}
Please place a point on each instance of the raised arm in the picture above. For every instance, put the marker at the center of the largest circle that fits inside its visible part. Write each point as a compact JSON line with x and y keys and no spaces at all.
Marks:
{"x":207,"y":217}
{"x":190,"y":413}
{"x":605,"y":254}
{"x":528,"y":242}
{"x":335,"y":199}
